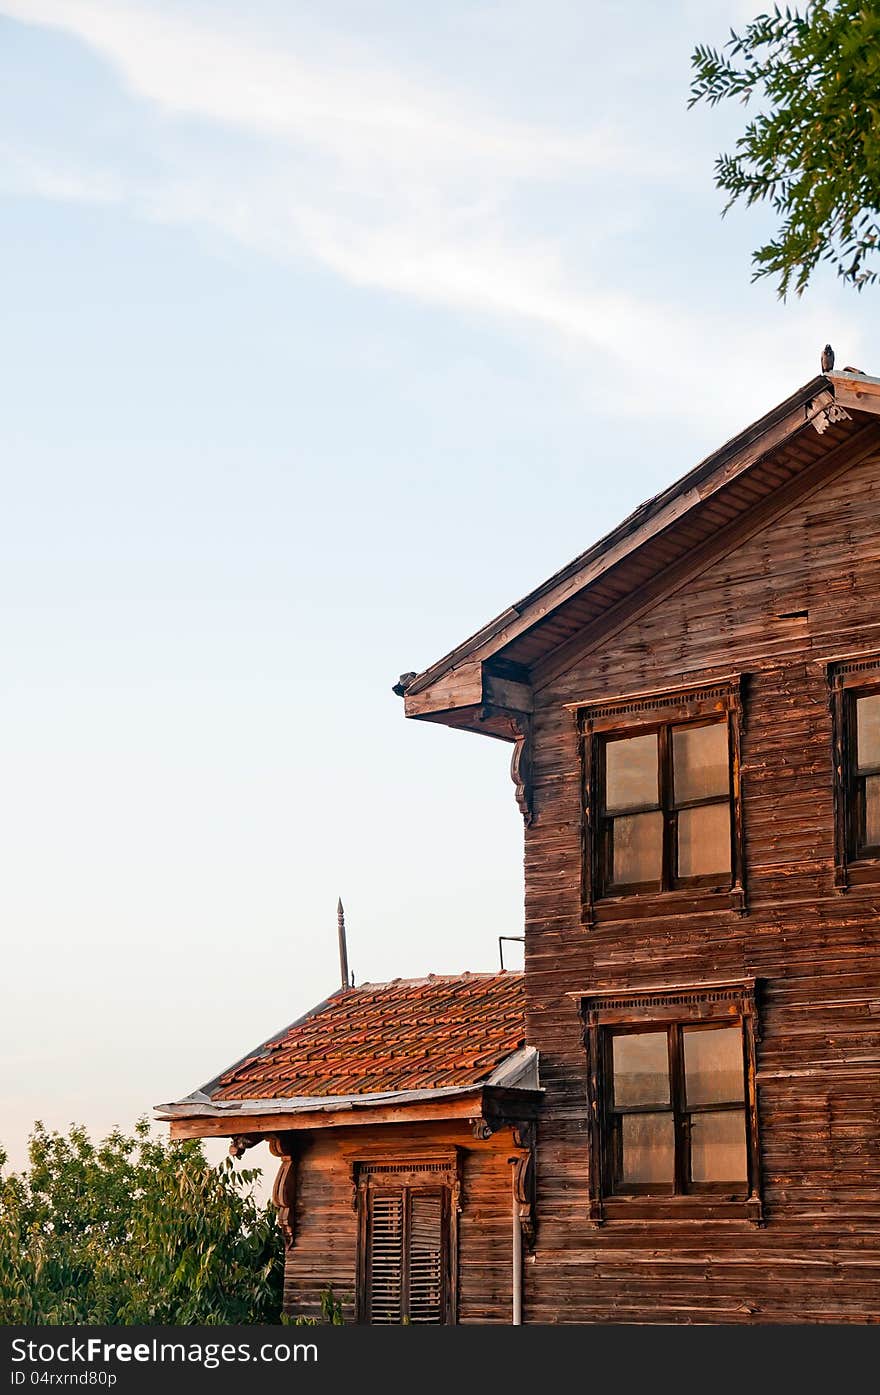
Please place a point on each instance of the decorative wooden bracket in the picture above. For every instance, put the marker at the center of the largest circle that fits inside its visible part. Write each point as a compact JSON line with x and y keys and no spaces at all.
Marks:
{"x":521,"y":766}
{"x":525,"y":1137}
{"x":502,"y":1114}
{"x":240,"y":1142}
{"x":284,"y":1190}
{"x":827,"y":416}
{"x":482,"y":1128}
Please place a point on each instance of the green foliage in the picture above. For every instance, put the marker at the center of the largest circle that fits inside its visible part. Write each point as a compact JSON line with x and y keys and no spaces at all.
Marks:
{"x":813,"y":151}
{"x":332,"y":1314}
{"x":134,"y":1230}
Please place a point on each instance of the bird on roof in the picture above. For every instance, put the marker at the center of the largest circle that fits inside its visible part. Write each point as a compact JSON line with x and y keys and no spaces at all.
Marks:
{"x":827,"y":359}
{"x":849,"y":369}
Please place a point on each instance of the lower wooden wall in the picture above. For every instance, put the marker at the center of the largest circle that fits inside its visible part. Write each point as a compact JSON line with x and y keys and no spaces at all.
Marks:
{"x":324,"y":1251}
{"x":816,"y":1260}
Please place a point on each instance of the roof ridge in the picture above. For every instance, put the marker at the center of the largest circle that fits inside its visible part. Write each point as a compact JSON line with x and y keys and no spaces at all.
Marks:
{"x":466,"y":977}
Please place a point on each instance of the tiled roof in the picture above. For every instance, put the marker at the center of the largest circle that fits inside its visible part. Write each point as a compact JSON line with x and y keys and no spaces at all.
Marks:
{"x":410,"y":1034}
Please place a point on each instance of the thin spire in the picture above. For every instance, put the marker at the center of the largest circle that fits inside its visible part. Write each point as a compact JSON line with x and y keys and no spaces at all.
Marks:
{"x":343,"y":948}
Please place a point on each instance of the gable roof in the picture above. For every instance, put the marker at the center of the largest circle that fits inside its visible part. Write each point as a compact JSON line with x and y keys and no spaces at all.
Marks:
{"x":437,"y":1034}
{"x":494,"y":673}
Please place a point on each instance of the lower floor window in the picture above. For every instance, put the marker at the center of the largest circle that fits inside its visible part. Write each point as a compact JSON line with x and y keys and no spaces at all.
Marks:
{"x":676,"y":1110}
{"x":406,"y":1259}
{"x":673,"y":1101}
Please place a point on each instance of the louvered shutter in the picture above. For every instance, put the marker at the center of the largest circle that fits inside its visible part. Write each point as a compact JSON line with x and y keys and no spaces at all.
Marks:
{"x":385,"y":1258}
{"x":425,"y":1297}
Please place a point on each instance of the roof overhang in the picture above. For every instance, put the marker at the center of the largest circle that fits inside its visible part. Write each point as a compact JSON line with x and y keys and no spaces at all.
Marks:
{"x":487,"y":684}
{"x":489,"y":1105}
{"x":857,"y":391}
{"x":510,"y":1093}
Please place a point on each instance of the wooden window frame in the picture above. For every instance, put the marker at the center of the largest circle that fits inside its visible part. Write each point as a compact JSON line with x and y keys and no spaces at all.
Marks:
{"x":669,"y":1009}
{"x":639,"y":715}
{"x":850,"y":679}
{"x":405,"y":1177}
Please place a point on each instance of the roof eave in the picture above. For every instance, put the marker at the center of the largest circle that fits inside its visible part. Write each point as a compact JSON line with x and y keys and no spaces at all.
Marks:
{"x":496,"y":1105}
{"x":461,"y":689}
{"x":857,"y":391}
{"x":519,"y":1069}
{"x":199,"y":1106}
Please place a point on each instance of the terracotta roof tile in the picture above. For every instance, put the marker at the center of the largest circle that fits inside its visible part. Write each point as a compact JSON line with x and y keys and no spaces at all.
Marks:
{"x":411,"y":1034}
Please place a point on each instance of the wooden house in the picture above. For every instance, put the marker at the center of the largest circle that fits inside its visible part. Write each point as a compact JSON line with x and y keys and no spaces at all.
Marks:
{"x":403,"y":1117}
{"x":693,"y":707}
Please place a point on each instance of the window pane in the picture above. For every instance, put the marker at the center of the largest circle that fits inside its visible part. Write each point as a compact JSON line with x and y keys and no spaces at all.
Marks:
{"x":648,"y":1147}
{"x":637,"y":849}
{"x":641,"y":1068}
{"x":718,"y":1147}
{"x":713,"y":1065}
{"x":700,"y":762}
{"x":631,"y":773}
{"x":704,"y":840}
{"x":868,"y":731}
{"x":872,"y":811}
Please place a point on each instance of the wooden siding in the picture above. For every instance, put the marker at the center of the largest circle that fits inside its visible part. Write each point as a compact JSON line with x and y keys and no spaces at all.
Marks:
{"x":815,"y":952}
{"x":324,"y":1251}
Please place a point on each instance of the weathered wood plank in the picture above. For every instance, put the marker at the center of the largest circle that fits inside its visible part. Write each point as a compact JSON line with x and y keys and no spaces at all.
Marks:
{"x":814,"y":951}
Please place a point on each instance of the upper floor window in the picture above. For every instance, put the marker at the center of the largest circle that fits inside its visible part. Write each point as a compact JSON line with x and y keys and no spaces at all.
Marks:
{"x":865,"y":774}
{"x":662,"y":800}
{"x":855,"y":705}
{"x":665,"y":807}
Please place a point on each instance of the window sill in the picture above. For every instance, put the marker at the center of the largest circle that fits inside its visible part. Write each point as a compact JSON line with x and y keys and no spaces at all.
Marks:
{"x":686,"y":901}
{"x":864,"y":872}
{"x":671,"y":1209}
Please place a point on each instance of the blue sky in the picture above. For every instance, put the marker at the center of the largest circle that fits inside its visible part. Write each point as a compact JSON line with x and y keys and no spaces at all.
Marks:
{"x":329,"y":330}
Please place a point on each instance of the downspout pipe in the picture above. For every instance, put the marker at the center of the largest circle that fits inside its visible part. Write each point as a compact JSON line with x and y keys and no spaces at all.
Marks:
{"x":517,"y":1256}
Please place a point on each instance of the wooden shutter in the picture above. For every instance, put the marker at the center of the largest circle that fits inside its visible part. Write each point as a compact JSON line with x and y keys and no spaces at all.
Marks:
{"x":407,"y":1264}
{"x":405,"y":1256}
{"x":385,"y":1258}
{"x":425,"y":1295}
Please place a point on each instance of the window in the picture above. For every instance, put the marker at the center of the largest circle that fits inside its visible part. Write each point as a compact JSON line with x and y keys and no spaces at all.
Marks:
{"x":665,"y":808}
{"x":855,"y":707}
{"x":406,"y":1247}
{"x":866,"y":774}
{"x":673,"y":1102}
{"x":661,"y":798}
{"x":676,"y":1109}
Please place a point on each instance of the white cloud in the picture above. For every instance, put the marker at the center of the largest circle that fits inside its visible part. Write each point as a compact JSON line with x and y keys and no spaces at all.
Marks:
{"x":349,"y":107}
{"x":410,"y":188}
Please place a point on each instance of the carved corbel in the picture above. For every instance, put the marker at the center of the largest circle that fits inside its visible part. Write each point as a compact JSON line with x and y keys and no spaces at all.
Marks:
{"x":284,"y":1190}
{"x":525,"y":1137}
{"x":521,"y":766}
{"x":240,"y":1142}
{"x":456,"y":1194}
{"x":482,"y":1128}
{"x":827,"y":416}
